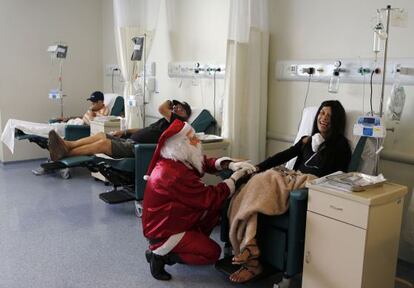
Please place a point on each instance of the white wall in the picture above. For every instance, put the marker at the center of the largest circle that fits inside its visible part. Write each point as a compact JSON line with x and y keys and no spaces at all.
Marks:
{"x":108,"y":47}
{"x":198,"y":33}
{"x":320,"y":29}
{"x":27,"y":28}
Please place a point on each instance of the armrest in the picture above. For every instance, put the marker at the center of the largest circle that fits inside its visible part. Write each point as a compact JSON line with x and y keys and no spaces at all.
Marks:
{"x":75,"y":132}
{"x":298,"y":195}
{"x":143,"y":156}
{"x":298,"y":204}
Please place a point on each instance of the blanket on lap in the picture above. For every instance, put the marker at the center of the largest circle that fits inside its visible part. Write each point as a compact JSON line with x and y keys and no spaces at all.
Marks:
{"x":266,"y":193}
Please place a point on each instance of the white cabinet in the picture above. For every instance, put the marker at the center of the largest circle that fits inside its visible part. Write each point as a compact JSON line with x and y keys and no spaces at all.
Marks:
{"x":352,"y":238}
{"x":105,"y":126}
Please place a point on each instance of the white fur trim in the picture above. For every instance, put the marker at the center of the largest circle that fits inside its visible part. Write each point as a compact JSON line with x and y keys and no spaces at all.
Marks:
{"x":169,"y":245}
{"x":146,"y":177}
{"x":232,"y":186}
{"x":183,"y":132}
{"x":217,"y":164}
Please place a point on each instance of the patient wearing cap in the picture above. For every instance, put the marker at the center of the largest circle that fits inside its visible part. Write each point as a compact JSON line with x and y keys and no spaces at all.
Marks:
{"x":97,"y":108}
{"x":119,"y":144}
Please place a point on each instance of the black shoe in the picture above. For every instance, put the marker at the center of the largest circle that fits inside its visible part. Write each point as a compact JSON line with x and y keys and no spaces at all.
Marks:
{"x":157,"y":264}
{"x":172,"y":258}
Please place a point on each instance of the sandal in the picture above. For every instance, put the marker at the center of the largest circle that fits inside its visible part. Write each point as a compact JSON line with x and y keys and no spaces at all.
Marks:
{"x":241,"y":259}
{"x":248,"y":272}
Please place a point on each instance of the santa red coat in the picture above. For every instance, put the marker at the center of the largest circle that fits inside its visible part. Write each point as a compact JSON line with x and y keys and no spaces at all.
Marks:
{"x":175,"y":198}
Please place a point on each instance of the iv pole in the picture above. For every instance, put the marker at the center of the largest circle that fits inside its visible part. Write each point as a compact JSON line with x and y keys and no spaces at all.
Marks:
{"x":145,"y":68}
{"x":384,"y":67}
{"x":60,"y":88}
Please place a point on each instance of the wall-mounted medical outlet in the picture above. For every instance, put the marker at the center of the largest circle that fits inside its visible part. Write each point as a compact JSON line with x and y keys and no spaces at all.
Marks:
{"x":293,"y":69}
{"x":195,"y":70}
{"x":351,"y":70}
{"x":149,"y":69}
{"x":112,"y":68}
{"x":402,"y":70}
{"x":308,"y":70}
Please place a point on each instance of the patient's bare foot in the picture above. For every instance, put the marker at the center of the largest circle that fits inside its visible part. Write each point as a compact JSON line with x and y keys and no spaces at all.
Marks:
{"x":249,"y":252}
{"x":247,"y":272}
{"x":57,"y":147}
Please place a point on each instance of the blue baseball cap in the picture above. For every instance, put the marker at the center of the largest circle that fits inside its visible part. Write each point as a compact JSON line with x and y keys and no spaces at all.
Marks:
{"x":96,"y":96}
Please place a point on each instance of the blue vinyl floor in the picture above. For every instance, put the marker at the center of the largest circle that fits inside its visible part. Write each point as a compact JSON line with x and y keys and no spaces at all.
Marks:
{"x":57,"y":233}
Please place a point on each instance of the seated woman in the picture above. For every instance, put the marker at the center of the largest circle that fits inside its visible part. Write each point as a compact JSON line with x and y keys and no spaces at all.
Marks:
{"x":324,"y":152}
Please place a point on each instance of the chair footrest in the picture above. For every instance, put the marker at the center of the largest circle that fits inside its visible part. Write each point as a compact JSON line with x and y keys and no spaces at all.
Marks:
{"x":115,"y":197}
{"x":48,"y":166}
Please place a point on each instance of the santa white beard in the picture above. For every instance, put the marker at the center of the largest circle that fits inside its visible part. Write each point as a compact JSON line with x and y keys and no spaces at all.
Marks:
{"x":182,"y":150}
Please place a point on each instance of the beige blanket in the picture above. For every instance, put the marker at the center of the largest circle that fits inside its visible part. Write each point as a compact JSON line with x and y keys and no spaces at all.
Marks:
{"x":266,"y":193}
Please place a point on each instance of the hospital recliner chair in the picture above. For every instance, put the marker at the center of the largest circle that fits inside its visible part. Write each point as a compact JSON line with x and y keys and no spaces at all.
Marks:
{"x":281,"y":238}
{"x":72,"y":132}
{"x":126,"y":174}
{"x":75,"y":132}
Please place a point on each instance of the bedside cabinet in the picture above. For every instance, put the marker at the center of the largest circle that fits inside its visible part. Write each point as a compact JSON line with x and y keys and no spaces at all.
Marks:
{"x":105,"y":126}
{"x":352,"y":239}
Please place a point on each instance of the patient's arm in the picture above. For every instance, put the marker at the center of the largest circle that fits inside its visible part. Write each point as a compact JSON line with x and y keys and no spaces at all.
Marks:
{"x":284,"y":156}
{"x":124,"y":133}
{"x":165,"y":109}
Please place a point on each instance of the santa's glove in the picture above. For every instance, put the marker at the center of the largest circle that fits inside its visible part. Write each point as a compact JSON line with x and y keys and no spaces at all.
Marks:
{"x":235,"y":180}
{"x":242,"y":165}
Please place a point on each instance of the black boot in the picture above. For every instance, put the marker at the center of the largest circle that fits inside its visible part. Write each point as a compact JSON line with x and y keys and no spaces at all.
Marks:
{"x":172,"y":258}
{"x":157,"y":264}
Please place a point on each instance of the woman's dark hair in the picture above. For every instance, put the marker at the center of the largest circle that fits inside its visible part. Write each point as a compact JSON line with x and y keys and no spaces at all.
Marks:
{"x":337,"y":122}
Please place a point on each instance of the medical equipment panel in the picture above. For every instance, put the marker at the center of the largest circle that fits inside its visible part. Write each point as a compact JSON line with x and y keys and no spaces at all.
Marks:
{"x":369,"y":126}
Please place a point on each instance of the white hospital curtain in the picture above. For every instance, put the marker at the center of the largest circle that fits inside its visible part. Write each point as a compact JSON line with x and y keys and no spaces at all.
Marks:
{"x":245,"y":96}
{"x":133,"y":18}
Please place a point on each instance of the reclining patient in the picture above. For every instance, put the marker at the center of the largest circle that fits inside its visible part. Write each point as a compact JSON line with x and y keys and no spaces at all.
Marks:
{"x":97,"y":108}
{"x":119,"y":144}
{"x":326,"y":151}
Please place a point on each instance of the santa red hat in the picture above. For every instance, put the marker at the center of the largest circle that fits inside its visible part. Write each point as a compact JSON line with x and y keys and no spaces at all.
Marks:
{"x":177,"y":129}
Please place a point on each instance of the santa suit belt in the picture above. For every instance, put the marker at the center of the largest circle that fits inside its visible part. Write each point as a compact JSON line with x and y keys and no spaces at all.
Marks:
{"x":168,"y":245}
{"x":156,"y":241}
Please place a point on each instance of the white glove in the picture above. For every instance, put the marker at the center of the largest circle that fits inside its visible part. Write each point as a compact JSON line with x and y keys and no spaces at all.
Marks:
{"x":232,"y":181}
{"x":239,"y":174}
{"x":242,"y":165}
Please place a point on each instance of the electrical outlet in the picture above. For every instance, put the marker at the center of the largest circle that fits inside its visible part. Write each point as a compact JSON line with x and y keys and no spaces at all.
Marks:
{"x":293,"y":69}
{"x":112,"y":68}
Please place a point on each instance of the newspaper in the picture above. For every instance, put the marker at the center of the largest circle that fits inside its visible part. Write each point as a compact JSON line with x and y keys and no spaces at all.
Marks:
{"x":349,"y":182}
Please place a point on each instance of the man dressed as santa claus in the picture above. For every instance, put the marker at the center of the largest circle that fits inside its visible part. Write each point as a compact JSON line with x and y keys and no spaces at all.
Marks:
{"x":179,"y":210}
